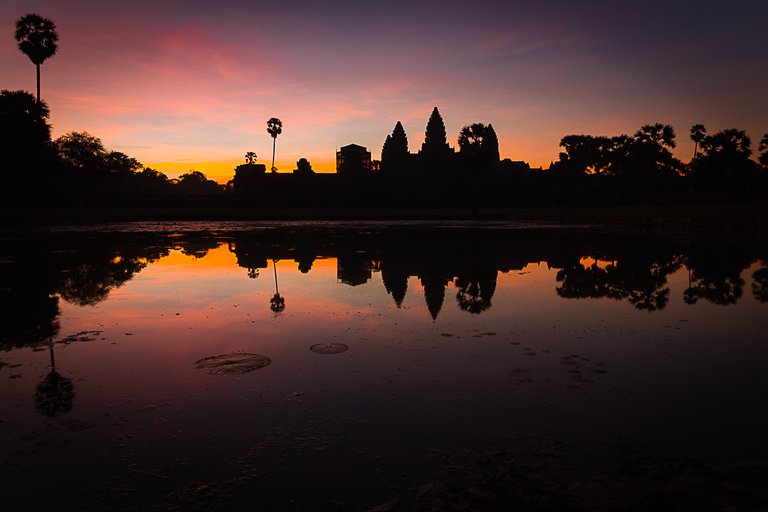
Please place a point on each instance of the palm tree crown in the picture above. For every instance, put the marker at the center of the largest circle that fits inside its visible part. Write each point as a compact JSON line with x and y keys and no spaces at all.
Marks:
{"x":274,"y":128}
{"x":37,"y":40}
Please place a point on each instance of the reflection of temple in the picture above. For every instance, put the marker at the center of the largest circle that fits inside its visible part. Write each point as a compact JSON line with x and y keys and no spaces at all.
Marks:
{"x":35,"y":276}
{"x":353,"y":268}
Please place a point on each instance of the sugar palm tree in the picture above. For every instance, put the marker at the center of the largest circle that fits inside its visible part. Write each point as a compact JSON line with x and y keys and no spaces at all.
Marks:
{"x":698,"y":132}
{"x":37,"y":40}
{"x":274,"y":128}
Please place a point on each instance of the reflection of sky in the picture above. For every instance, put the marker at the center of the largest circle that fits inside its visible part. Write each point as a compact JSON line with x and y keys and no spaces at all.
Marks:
{"x":676,"y":378}
{"x":183,"y":85}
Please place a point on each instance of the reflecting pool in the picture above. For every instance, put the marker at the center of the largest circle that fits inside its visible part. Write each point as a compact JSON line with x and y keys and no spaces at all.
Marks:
{"x":406,"y":366}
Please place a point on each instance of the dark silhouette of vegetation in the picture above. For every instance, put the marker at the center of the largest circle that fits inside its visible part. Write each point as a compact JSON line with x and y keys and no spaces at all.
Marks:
{"x":303,"y":168}
{"x":194,"y":183}
{"x":764,"y":151}
{"x":37,"y":39}
{"x":724,"y":166}
{"x":25,"y":147}
{"x":55,"y":394}
{"x":36,"y":274}
{"x":698,"y":132}
{"x":274,"y":128}
{"x":479,"y":146}
{"x":592,"y":170}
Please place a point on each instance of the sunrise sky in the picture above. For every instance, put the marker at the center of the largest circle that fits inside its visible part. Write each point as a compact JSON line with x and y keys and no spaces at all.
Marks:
{"x":190,"y":84}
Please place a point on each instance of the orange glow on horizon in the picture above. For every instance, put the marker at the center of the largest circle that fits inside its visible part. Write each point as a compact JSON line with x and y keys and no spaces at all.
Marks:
{"x":223,"y":171}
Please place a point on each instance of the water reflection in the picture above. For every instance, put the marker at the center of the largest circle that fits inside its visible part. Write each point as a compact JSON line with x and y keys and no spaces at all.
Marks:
{"x":466,"y":335}
{"x":760,"y":284}
{"x":84,"y":269}
{"x":55,"y":394}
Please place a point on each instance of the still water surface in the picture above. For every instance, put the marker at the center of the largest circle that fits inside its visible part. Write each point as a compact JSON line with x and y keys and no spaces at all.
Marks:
{"x":350,"y":366}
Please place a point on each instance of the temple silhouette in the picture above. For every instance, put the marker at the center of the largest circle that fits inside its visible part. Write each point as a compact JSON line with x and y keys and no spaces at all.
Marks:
{"x":76,"y":170}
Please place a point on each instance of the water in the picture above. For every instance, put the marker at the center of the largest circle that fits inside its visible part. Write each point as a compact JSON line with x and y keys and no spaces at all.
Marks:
{"x":378,"y":364}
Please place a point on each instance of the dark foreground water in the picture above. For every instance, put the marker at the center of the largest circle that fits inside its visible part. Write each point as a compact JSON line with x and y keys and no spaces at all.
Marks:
{"x":378,"y":366}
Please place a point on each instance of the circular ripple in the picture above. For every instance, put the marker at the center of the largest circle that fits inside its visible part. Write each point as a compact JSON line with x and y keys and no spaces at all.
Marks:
{"x":329,"y":348}
{"x":230,"y":364}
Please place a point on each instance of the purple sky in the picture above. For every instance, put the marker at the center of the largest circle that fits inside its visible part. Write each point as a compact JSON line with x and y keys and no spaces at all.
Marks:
{"x":190,"y":84}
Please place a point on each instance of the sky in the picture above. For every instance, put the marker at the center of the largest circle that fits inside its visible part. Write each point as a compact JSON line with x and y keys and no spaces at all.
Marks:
{"x":189,"y":85}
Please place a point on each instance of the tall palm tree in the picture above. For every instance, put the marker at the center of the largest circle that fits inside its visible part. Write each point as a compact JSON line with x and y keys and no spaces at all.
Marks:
{"x":37,"y":40}
{"x":274,"y":128}
{"x":698,"y":132}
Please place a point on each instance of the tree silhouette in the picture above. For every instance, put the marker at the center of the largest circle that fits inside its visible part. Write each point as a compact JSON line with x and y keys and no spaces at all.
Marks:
{"x":25,"y":137}
{"x":470,"y":140}
{"x":37,"y":40}
{"x":649,"y":161}
{"x":55,"y":393}
{"x":715,"y":275}
{"x":250,"y":158}
{"x":475,"y":290}
{"x":274,"y":128}
{"x":725,"y":162}
{"x":698,"y":132}
{"x":763,"y":159}
{"x":116,"y":162}
{"x":479,"y":145}
{"x":490,"y":146}
{"x":729,"y":142}
{"x":195,"y":183}
{"x":586,"y":153}
{"x":81,"y":150}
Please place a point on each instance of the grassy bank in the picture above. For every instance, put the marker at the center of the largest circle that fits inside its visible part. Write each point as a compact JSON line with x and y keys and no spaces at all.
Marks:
{"x":713,"y":217}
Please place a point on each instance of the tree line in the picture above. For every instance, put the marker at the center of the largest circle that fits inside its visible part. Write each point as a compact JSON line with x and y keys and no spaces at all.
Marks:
{"x":77,"y":170}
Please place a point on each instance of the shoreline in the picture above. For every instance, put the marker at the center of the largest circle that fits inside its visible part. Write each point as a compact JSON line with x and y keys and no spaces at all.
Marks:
{"x":725,"y":217}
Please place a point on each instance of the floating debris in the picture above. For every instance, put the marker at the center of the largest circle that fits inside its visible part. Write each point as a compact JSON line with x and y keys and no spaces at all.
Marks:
{"x":229,"y":364}
{"x":329,"y":348}
{"x":81,"y":336}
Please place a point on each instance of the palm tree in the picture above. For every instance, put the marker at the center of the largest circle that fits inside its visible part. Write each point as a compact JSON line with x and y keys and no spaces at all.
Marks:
{"x":250,"y":158}
{"x":274,"y":128}
{"x":276,"y":303}
{"x":698,"y":132}
{"x":37,"y":40}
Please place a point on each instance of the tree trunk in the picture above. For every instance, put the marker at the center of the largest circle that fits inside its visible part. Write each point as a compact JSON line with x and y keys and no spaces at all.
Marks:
{"x":274,"y":140}
{"x":38,"y":82}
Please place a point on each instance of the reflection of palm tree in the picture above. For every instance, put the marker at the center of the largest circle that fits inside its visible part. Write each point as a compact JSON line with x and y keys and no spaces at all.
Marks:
{"x":37,"y":40}
{"x":274,"y":128}
{"x":276,"y":303}
{"x":475,"y":293}
{"x":55,"y":394}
